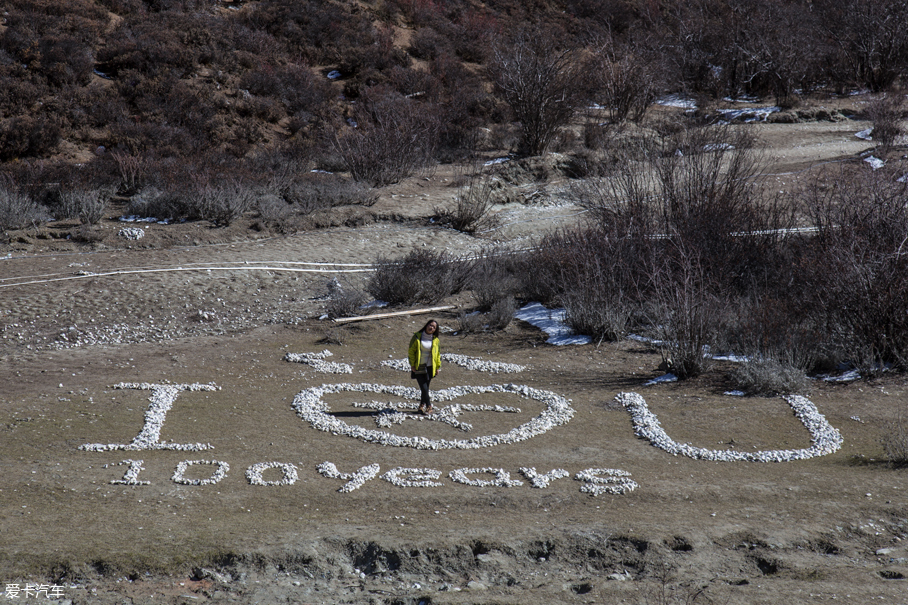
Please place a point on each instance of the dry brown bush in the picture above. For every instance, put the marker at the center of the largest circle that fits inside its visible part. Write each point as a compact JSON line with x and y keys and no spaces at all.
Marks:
{"x":895,"y":441}
{"x":422,"y":276}
{"x":18,"y":210}
{"x":859,"y":266}
{"x":886,"y":112}
{"x":687,"y":314}
{"x":542,"y":83}
{"x":471,"y":210}
{"x":765,"y":376}
{"x":394,"y":137}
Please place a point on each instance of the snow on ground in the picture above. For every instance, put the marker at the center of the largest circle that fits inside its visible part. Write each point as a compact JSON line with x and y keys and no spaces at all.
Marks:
{"x":551,"y":321}
{"x":751,"y":114}
{"x":677,"y":101}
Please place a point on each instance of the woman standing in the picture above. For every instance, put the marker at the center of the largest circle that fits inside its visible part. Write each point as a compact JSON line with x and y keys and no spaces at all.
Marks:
{"x":425,"y":361}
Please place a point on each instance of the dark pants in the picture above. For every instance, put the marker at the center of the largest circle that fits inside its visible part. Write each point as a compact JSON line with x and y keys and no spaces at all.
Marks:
{"x":423,"y":381}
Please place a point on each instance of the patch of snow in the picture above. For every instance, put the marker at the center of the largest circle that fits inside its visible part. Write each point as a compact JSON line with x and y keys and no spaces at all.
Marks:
{"x":334,"y":74}
{"x":865,"y":134}
{"x":660,"y":379}
{"x":374,"y":304}
{"x":734,"y":393}
{"x":677,"y":101}
{"x":903,"y":178}
{"x":756,"y":114}
{"x":848,"y":376}
{"x":551,"y":321}
{"x":731,"y":358}
{"x":742,"y":99}
{"x":875,"y":163}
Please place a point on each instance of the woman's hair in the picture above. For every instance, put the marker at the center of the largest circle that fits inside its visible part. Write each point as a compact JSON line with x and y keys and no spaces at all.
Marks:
{"x":427,"y":325}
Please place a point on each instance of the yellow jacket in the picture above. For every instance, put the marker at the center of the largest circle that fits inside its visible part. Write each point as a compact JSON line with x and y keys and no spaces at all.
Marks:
{"x":415,"y":353}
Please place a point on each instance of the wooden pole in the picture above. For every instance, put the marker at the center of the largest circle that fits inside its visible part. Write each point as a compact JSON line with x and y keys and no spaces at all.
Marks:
{"x":342,"y":320}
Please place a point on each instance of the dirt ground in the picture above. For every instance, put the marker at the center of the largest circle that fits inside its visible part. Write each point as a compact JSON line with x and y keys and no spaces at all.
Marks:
{"x":192,"y":305}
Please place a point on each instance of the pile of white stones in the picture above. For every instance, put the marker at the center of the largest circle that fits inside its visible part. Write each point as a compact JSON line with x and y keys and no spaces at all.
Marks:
{"x":311,"y":408}
{"x":131,"y":233}
{"x":825,"y":438}
{"x":317,"y":361}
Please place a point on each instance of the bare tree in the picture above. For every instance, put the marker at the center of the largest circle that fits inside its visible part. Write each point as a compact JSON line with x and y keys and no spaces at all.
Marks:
{"x":542,"y":83}
{"x":871,"y":36}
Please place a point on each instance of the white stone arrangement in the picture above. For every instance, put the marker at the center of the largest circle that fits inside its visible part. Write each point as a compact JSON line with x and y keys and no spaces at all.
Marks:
{"x":219,"y":474}
{"x":311,"y":408}
{"x":542,"y":481}
{"x":132,"y":474}
{"x":614,"y":482}
{"x":825,"y":438}
{"x":149,"y":438}
{"x":389,"y":413}
{"x":502,"y":477}
{"x":413,"y":477}
{"x":317,"y":361}
{"x":254,"y":473}
{"x":354,"y":480}
{"x":477,"y":364}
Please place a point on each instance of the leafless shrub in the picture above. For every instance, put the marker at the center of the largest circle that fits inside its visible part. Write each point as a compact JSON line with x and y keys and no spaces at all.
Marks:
{"x":87,"y":204}
{"x":860,"y":266}
{"x":315,"y":192}
{"x":627,"y":84}
{"x":221,"y":202}
{"x":698,"y":186}
{"x":393,"y":138}
{"x":18,"y":210}
{"x":491,"y":280}
{"x":335,"y":335}
{"x":886,"y":113}
{"x":345,"y":302}
{"x":132,"y":171}
{"x":542,"y":83}
{"x":471,"y":210}
{"x":766,"y":376}
{"x":895,"y":441}
{"x":870,"y":37}
{"x":598,"y":314}
{"x":501,"y":314}
{"x":687,"y":316}
{"x":498,"y":317}
{"x":668,"y":590}
{"x":422,"y":276}
{"x":153,"y":202}
{"x":275,"y":212}
{"x":470,"y":323}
